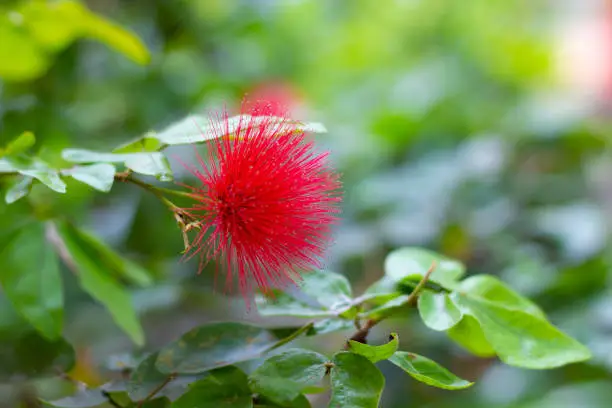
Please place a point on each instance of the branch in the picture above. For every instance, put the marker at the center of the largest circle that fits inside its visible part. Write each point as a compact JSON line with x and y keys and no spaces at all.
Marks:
{"x":361,"y":335}
{"x":157,"y":389}
{"x":127,"y":177}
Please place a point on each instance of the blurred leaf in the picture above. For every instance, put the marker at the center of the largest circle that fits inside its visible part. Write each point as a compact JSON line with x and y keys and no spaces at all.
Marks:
{"x":31,"y":280}
{"x":412,"y":263}
{"x":223,"y":387}
{"x":300,"y":402}
{"x":31,"y":355}
{"x":356,"y":382}
{"x":329,"y":326}
{"x":96,"y":281}
{"x":428,"y":371}
{"x":283,"y":377}
{"x":19,"y":145}
{"x":150,"y":163}
{"x":163,"y":402}
{"x":116,"y":37}
{"x":106,"y":256}
{"x":211,"y":346}
{"x":21,"y":58}
{"x":146,"y":143}
{"x":18,"y":190}
{"x":438,"y":311}
{"x":198,"y":129}
{"x":519,"y":338}
{"x":375,"y":353}
{"x":55,"y":25}
{"x":468,"y":334}
{"x":99,"y":176}
{"x":82,"y":399}
{"x":36,"y":30}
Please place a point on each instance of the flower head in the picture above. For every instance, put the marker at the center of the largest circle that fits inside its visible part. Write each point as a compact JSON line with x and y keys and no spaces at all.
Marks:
{"x":266,"y":202}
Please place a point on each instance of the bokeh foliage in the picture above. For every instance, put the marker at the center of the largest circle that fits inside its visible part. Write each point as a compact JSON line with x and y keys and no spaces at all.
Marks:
{"x":439,"y":115}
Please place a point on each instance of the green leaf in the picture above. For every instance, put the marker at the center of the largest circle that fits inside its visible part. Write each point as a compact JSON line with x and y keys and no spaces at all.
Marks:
{"x":387,"y":308}
{"x":18,"y":190}
{"x":198,"y":129}
{"x":82,"y":399}
{"x":95,"y":280}
{"x":283,"y":377}
{"x":282,"y":304}
{"x":146,"y":143}
{"x":211,"y":346}
{"x":375,"y":353}
{"x":145,"y":378}
{"x":412,"y":263}
{"x":329,"y":326}
{"x":34,"y":168}
{"x":427,"y":371}
{"x":106,"y":256}
{"x":381,"y":291}
{"x":468,"y":334}
{"x":223,"y":387}
{"x":30,"y":355}
{"x":356,"y":382}
{"x":300,"y":402}
{"x":31,"y":280}
{"x":149,"y":163}
{"x":55,"y":25}
{"x":99,"y":176}
{"x":329,"y":289}
{"x":48,"y":177}
{"x":490,"y":288}
{"x":519,"y":338}
{"x":116,"y":37}
{"x":19,"y":145}
{"x":438,"y":311}
{"x":21,"y":58}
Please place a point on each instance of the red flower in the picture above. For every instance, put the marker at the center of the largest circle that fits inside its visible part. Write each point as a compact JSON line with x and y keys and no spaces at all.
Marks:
{"x":266,"y":204}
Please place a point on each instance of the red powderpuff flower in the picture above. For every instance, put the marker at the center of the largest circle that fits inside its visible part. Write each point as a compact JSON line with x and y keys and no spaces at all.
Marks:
{"x":266,"y":203}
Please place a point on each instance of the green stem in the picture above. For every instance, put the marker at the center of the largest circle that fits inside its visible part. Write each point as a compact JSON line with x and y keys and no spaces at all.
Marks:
{"x":291,"y":337}
{"x":157,"y":191}
{"x":157,"y":389}
{"x":362,"y":334}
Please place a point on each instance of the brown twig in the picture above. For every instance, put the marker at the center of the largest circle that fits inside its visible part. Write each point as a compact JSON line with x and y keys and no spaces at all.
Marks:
{"x":157,"y":389}
{"x":362,"y":333}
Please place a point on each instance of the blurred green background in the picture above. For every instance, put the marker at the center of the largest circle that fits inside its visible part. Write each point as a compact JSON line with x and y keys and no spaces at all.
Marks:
{"x":477,"y":128}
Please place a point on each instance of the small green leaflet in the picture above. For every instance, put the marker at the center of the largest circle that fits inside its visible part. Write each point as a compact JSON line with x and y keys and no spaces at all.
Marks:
{"x":375,"y":353}
{"x":428,"y":371}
